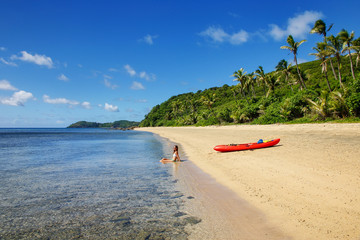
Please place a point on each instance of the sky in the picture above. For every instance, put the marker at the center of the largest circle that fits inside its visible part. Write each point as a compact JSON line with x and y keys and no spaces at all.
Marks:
{"x":103,"y":61}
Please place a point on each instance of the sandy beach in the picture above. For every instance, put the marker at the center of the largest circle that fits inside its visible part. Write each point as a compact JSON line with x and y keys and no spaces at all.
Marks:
{"x":306,"y":187}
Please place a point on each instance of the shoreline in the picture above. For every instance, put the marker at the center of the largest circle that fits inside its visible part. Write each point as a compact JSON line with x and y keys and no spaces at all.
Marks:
{"x":224,"y":215}
{"x":306,"y":187}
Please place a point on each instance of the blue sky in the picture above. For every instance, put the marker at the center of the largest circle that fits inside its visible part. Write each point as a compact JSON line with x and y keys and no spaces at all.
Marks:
{"x":65,"y":61}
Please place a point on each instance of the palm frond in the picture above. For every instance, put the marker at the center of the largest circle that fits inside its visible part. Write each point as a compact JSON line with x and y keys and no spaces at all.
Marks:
{"x":330,"y":27}
{"x":286,"y":47}
{"x":301,"y":42}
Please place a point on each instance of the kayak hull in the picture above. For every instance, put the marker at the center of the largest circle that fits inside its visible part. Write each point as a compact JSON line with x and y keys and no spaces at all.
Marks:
{"x":246,"y":146}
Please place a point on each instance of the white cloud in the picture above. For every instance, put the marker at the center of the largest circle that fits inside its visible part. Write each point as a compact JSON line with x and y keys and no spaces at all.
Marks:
{"x":109,"y":84}
{"x":86,"y":105}
{"x":8,"y":63}
{"x":297,"y":26}
{"x":239,"y":38}
{"x":41,"y":60}
{"x":71,"y":103}
{"x":147,"y":77}
{"x":276,"y":32}
{"x":64,"y":78}
{"x":218,"y":35}
{"x":130,"y":70}
{"x":111,"y":108}
{"x":47,"y":99}
{"x":143,"y":74}
{"x":17,"y":99}
{"x":142,"y":100}
{"x":2,"y":49}
{"x":137,"y":86}
{"x":149,"y":39}
{"x":5,"y":85}
{"x":113,"y":70}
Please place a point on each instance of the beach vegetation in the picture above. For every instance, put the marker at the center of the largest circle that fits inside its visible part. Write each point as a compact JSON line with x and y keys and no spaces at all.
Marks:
{"x":323,"y":90}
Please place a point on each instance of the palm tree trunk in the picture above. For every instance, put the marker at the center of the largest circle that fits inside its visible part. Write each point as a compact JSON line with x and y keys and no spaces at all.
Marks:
{"x":327,"y":80}
{"x":351,"y":65}
{"x":340,"y":80}
{"x":234,"y":96}
{"x":245,"y":97}
{"x":324,"y":65}
{"x":302,"y":83}
{"x":333,"y":70}
{"x":236,"y":101}
{"x":287,"y":81}
{"x":264,"y":88}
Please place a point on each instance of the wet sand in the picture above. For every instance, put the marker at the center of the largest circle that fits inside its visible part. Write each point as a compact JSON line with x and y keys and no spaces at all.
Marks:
{"x":307,"y":187}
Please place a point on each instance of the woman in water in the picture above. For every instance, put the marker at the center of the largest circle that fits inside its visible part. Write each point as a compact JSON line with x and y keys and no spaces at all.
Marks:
{"x":175,"y":157}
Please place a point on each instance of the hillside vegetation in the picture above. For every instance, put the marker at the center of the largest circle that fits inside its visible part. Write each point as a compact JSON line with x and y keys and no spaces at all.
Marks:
{"x":326,"y":89}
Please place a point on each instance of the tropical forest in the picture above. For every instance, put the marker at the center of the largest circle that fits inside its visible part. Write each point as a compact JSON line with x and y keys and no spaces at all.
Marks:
{"x":327,"y":89}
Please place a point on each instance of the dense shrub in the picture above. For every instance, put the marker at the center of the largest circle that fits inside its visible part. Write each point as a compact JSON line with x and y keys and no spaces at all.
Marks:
{"x":353,"y":100}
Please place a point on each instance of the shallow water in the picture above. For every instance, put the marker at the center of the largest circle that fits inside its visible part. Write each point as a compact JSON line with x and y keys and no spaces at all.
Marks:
{"x":87,"y":183}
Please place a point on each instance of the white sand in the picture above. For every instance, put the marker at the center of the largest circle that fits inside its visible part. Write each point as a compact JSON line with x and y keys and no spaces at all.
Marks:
{"x":308,"y":187}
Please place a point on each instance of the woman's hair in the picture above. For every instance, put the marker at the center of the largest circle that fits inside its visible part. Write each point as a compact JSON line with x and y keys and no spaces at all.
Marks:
{"x":176,"y":148}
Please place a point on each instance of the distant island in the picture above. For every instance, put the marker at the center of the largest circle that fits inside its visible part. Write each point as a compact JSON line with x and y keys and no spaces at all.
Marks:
{"x":121,"y":124}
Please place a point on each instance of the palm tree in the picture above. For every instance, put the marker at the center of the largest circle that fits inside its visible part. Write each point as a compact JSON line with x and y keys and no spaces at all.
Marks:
{"x":240,"y":76}
{"x":192,"y":103}
{"x":346,"y":39}
{"x":335,"y":49}
{"x":209,"y":100}
{"x":176,"y":104}
{"x":356,"y":45}
{"x":260,"y":77}
{"x":283,"y":67}
{"x":322,"y":53}
{"x":338,"y":105}
{"x":322,"y":106}
{"x":271,"y":82}
{"x":233,"y":90}
{"x":293,"y":47}
{"x":251,"y":79}
{"x":320,"y":28}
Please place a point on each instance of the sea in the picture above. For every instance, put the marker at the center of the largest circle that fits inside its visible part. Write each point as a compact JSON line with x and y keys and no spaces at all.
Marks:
{"x":88,"y":184}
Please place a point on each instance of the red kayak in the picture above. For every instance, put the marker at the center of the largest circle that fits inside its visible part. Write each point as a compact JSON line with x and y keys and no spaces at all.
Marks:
{"x":246,"y":146}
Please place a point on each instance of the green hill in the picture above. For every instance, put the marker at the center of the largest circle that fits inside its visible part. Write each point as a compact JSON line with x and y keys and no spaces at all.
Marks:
{"x":116,"y":124}
{"x":268,"y":98}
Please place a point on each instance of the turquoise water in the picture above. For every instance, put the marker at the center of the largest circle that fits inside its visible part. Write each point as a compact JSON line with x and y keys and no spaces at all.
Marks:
{"x":87,"y":183}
